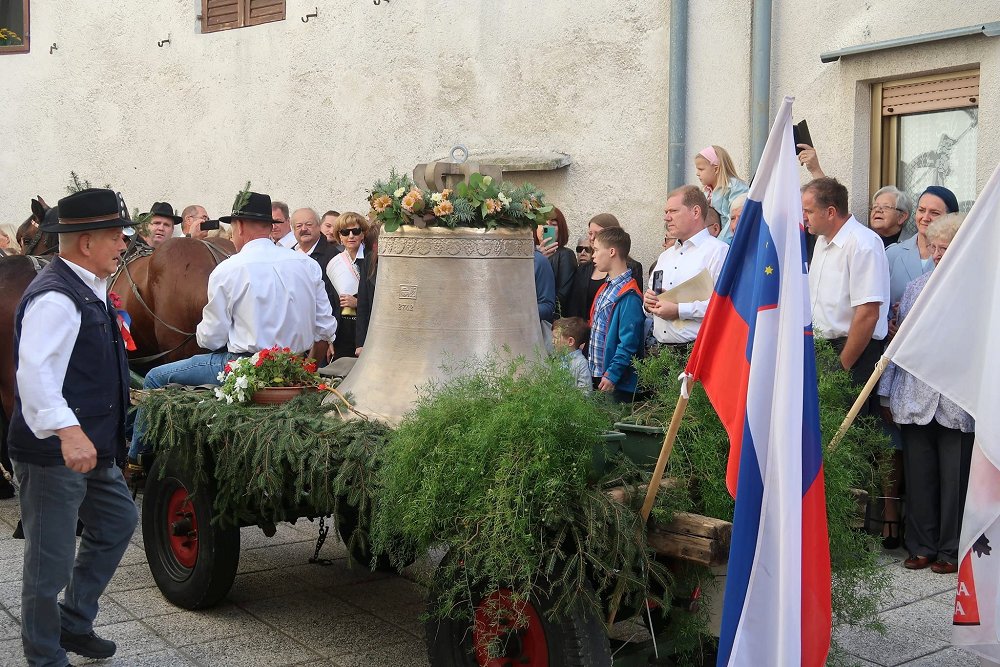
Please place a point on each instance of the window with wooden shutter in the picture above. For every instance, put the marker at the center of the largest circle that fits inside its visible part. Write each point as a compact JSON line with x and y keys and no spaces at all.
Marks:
{"x":924,"y":132}
{"x":13,"y":26}
{"x":225,"y":14}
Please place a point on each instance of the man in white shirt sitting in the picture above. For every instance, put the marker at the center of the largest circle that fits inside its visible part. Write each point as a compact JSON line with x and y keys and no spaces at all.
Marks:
{"x":260,"y":297}
{"x":848,"y":278}
{"x":694,"y":250}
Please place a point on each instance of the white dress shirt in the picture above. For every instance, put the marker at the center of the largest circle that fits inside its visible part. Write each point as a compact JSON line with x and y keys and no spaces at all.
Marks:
{"x":343,"y":273}
{"x":49,"y":330}
{"x":847,"y":271}
{"x":288,"y":240}
{"x":679,"y":263}
{"x":264,"y":296}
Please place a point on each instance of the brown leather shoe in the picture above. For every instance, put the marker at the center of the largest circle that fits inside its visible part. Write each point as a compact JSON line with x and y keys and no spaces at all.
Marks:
{"x":944,"y":567}
{"x":916,"y":562}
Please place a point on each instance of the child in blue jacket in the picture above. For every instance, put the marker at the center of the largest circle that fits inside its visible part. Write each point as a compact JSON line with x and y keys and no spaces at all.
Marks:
{"x":616,"y":318}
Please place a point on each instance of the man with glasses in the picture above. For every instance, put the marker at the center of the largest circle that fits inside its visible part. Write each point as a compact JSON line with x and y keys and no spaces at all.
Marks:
{"x":281,"y":231}
{"x":891,"y":208}
{"x":584,"y":253}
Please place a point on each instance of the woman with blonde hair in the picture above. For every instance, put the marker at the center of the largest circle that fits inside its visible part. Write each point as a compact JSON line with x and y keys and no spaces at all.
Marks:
{"x":344,"y":271}
{"x":720,"y":183}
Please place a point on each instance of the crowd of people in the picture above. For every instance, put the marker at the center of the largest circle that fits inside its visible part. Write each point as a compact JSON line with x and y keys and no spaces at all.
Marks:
{"x":307,"y":282}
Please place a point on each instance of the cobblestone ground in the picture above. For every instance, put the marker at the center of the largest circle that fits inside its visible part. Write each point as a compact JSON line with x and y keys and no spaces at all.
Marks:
{"x":284,"y":611}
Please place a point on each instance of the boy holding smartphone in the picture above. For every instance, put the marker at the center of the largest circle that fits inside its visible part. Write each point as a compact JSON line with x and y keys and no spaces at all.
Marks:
{"x":617,"y":318}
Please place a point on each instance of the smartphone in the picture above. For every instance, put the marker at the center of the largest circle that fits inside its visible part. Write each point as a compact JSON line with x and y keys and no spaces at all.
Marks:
{"x":209,"y":225}
{"x":548,"y":233}
{"x":657,"y":281}
{"x":800,"y":135}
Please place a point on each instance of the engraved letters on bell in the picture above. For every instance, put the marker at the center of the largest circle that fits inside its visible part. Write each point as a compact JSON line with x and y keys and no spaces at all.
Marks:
{"x":444,"y":296}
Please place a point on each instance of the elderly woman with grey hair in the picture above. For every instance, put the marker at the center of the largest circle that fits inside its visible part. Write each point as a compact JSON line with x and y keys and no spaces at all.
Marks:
{"x":937,"y":442}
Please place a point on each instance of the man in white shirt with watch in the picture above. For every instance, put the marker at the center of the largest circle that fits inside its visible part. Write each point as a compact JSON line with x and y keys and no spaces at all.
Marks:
{"x":694,"y":250}
{"x":848,"y":279}
{"x":260,"y":297}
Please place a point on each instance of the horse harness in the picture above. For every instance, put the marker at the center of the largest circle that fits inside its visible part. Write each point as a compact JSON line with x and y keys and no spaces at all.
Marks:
{"x":134,"y":252}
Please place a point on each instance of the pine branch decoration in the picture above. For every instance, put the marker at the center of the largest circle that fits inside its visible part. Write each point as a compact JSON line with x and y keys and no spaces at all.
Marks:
{"x":242,"y":199}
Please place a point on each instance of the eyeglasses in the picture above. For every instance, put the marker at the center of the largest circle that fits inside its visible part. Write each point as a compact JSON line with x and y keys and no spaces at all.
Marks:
{"x":583,"y":248}
{"x":881,"y":209}
{"x":353,"y":231}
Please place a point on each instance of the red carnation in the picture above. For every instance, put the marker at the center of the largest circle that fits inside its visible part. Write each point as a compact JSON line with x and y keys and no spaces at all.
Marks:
{"x":311,"y":368}
{"x":229,"y":368}
{"x":322,"y":386}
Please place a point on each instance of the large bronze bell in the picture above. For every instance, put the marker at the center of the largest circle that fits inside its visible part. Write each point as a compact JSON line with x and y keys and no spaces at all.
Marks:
{"x":444,"y":296}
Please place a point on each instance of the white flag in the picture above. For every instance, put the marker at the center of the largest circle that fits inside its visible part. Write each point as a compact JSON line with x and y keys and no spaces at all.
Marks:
{"x":949,"y":340}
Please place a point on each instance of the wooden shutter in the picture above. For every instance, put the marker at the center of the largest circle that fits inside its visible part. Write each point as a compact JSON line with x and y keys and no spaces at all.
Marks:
{"x":221,"y":14}
{"x":225,"y":14}
{"x":264,"y":11}
{"x":953,"y":92}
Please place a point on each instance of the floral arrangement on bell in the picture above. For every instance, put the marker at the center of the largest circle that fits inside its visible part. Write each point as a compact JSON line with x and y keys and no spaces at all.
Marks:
{"x":482,"y":202}
{"x":274,"y":367}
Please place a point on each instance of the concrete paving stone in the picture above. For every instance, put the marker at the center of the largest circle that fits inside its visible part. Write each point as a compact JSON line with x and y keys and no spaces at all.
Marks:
{"x":265,"y":584}
{"x":268,"y":649}
{"x":409,"y":654}
{"x":167,"y":658}
{"x":10,"y":569}
{"x":896,"y":648}
{"x":947,"y":599}
{"x":253,"y":537}
{"x":10,"y":593}
{"x":407,"y":617}
{"x":281,"y":556}
{"x":131,"y":577}
{"x":144,"y":602}
{"x":133,"y":556}
{"x":949,"y":657}
{"x":11,"y":549}
{"x":111,"y":613}
{"x":9,"y":626}
{"x":11,"y":653}
{"x":382,"y":594}
{"x":910,"y":585}
{"x":305,"y":617}
{"x":928,"y":617}
{"x":133,"y":638}
{"x":340,"y":572}
{"x":196,"y":627}
{"x":348,"y":635}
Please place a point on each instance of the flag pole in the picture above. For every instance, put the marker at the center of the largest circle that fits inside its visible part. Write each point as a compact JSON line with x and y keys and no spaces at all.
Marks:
{"x":859,"y":403}
{"x":654,"y":483}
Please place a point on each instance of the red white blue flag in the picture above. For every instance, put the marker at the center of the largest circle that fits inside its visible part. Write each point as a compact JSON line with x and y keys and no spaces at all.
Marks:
{"x":754,"y":356}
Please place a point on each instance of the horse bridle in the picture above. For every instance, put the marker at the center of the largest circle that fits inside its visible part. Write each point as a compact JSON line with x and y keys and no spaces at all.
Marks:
{"x":218,"y":255}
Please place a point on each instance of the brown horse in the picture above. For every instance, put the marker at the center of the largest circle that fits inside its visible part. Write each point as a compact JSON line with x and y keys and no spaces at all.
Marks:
{"x":164,"y":294}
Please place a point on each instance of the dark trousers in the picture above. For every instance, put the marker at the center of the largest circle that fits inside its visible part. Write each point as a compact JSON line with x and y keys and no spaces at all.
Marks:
{"x":936,"y":462}
{"x":862,"y":370}
{"x":52,"y":497}
{"x":346,"y":341}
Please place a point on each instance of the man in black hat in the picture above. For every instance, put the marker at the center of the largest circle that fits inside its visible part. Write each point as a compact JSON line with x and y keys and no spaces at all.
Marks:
{"x":67,"y":431}
{"x":260,"y":297}
{"x":160,"y":225}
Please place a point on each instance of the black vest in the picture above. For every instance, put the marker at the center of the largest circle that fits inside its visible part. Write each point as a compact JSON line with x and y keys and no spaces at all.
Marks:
{"x":97,"y":380}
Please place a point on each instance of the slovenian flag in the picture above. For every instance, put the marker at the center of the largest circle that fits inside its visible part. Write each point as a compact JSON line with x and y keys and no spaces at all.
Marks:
{"x":754,"y":356}
{"x":125,"y":326}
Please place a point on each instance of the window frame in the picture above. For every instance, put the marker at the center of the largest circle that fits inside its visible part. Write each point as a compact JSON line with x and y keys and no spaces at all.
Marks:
{"x":25,"y":45}
{"x":243,"y":18}
{"x":884,"y":139}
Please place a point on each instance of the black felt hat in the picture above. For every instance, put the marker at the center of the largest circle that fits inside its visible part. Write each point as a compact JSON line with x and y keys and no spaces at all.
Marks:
{"x":251,"y":206}
{"x":93,"y":208}
{"x":162,"y":209}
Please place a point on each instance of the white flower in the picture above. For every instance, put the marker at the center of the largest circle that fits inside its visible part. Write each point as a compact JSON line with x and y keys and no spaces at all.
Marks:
{"x":503,"y":199}
{"x":242,"y":382}
{"x":255,"y":358}
{"x":219,"y":394}
{"x":229,"y":399}
{"x":399,"y":192}
{"x":437,"y":197}
{"x":221,"y":376}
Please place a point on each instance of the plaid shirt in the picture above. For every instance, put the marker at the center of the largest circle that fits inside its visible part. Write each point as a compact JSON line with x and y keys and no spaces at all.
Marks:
{"x":602,"y":318}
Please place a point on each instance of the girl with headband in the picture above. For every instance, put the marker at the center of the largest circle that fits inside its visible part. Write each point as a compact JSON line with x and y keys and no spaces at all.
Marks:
{"x":721,"y":184}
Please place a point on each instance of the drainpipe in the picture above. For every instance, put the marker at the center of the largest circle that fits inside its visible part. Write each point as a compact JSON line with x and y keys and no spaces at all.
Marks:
{"x":676,"y":149}
{"x":760,"y":80}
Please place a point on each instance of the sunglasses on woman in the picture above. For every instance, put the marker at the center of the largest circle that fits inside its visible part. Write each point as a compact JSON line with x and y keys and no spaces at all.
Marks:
{"x":353,"y":231}
{"x":582,"y":248}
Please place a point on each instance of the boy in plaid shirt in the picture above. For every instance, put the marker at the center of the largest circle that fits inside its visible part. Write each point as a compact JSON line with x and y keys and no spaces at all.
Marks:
{"x":616,"y":318}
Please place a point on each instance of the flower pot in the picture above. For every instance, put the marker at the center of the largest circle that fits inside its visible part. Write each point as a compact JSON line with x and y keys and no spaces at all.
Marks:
{"x":277,"y":395}
{"x":605,"y":450}
{"x":641,"y":444}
